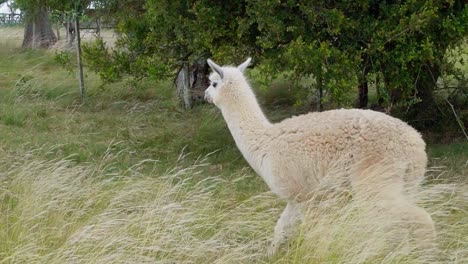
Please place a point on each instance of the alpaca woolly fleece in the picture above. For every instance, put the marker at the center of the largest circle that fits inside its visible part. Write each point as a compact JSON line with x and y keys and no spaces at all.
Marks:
{"x":296,"y":155}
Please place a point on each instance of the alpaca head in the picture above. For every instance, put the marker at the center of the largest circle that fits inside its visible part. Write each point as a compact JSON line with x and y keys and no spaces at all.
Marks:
{"x":224,"y":82}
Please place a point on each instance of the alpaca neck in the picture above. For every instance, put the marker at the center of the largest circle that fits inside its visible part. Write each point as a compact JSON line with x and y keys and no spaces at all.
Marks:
{"x":248,"y":121}
{"x":248,"y":126}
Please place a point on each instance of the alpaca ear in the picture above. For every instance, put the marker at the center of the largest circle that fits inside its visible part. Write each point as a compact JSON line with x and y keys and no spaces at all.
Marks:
{"x":215,"y":67}
{"x":244,"y":65}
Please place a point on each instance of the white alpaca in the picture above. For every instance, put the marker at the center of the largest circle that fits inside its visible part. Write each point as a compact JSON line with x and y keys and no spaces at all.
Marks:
{"x":288,"y":155}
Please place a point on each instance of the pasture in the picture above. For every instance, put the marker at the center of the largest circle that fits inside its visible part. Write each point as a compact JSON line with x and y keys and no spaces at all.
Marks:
{"x":130,"y":177}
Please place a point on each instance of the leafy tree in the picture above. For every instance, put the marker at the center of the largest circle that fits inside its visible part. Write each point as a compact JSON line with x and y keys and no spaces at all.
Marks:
{"x":398,"y":46}
{"x":38,"y":30}
{"x":402,"y":41}
{"x":157,"y":43}
{"x":75,"y":9}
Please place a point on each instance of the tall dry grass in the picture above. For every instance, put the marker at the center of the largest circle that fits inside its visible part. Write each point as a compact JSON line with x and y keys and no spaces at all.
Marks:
{"x":57,"y":212}
{"x":60,"y":212}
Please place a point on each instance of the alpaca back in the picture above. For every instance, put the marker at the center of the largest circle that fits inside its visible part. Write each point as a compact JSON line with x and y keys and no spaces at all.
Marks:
{"x":307,"y":148}
{"x":353,"y":129}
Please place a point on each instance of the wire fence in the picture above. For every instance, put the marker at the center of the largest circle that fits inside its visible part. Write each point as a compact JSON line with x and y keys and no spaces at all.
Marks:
{"x":10,"y":19}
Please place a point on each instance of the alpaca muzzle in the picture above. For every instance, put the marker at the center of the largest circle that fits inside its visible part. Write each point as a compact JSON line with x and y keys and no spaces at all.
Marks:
{"x":208,"y":98}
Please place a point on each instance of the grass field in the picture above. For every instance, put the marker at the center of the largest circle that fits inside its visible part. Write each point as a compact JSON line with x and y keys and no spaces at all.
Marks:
{"x":129,"y":177}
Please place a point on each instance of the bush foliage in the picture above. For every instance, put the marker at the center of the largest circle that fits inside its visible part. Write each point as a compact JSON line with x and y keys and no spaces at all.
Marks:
{"x":399,"y":47}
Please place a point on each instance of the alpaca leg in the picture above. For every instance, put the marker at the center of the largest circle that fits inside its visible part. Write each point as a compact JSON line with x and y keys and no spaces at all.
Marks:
{"x":405,"y":224}
{"x":410,"y":217}
{"x":291,"y":215}
{"x":383,"y":186}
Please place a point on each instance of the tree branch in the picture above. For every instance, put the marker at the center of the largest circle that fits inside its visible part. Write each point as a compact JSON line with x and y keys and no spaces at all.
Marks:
{"x":457,"y":118}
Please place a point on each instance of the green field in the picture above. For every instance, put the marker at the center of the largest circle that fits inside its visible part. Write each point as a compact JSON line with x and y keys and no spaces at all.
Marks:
{"x":127,"y":176}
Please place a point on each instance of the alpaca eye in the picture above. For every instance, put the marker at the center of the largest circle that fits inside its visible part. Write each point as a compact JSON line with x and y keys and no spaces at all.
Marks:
{"x":214,"y":84}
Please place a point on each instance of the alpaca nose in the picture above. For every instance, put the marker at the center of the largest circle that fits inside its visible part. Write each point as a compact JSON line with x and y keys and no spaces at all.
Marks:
{"x":207,"y":97}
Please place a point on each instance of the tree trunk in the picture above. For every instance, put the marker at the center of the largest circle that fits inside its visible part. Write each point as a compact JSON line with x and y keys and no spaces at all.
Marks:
{"x":199,"y":80}
{"x":70,"y":31}
{"x":98,"y":27}
{"x":426,"y":113}
{"x":379,"y":105}
{"x":320,"y":92}
{"x":185,"y":86}
{"x":57,"y":28}
{"x":38,"y":32}
{"x":67,"y":29}
{"x":191,"y":83}
{"x":363,"y":97}
{"x":363,"y":93}
{"x":380,"y":99}
{"x":78,"y":57}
